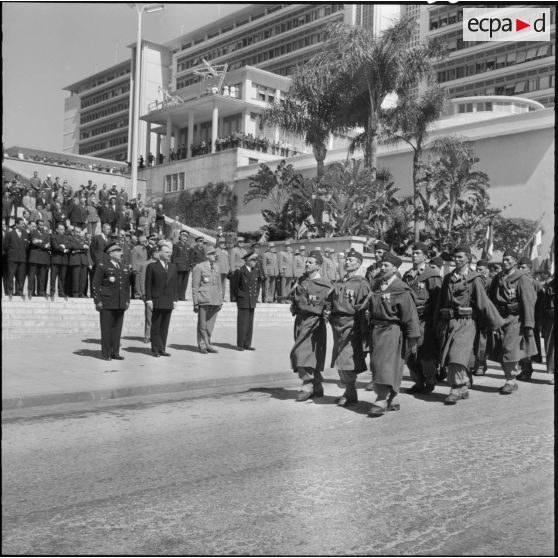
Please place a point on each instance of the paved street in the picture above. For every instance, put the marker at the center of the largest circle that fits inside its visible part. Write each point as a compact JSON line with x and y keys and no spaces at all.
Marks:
{"x":257,"y":473}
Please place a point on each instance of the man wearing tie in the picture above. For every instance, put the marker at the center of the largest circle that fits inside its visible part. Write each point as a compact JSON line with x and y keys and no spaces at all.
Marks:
{"x":111,"y":294}
{"x":245,"y":289}
{"x":16,"y":251}
{"x":161,"y":294}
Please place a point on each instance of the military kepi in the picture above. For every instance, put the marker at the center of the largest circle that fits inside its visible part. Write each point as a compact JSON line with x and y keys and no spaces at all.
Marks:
{"x":113,"y":246}
{"x":462,"y":248}
{"x":421,"y":246}
{"x":511,"y":253}
{"x":381,"y":245}
{"x":354,"y":254}
{"x":392,"y":259}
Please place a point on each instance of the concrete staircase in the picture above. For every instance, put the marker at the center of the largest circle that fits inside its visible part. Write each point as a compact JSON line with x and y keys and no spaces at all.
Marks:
{"x":78,"y":316}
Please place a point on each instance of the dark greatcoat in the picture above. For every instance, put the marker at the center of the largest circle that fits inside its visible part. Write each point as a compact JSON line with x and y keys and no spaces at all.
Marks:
{"x":39,"y":252}
{"x":514,"y":296}
{"x":245,"y":288}
{"x":458,"y":333}
{"x":348,"y":324}
{"x":310,"y":332}
{"x":394,"y":320}
{"x":547,"y":321}
{"x":426,"y":290}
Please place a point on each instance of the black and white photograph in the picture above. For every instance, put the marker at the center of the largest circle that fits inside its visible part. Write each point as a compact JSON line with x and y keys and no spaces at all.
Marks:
{"x":278,"y":279}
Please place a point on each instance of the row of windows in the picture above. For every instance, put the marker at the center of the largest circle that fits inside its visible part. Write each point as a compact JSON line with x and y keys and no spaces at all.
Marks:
{"x":106,"y":111}
{"x":438,"y":20}
{"x":495,"y":61}
{"x":105,"y":95}
{"x":515,"y":85}
{"x":263,"y":93}
{"x":175,"y":182}
{"x":100,"y":145}
{"x":120,"y":123}
{"x":107,"y":78}
{"x":270,"y":29}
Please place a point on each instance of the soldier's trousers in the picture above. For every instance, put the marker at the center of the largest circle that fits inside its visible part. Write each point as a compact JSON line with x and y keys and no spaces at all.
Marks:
{"x":182,"y":284}
{"x":457,"y":374}
{"x":309,"y":376}
{"x":269,"y":286}
{"x":244,"y":327}
{"x":285,"y":285}
{"x":207,"y":316}
{"x":347,"y":377}
{"x":147,"y":329}
{"x":16,"y":270}
{"x":111,"y":330}
{"x":58,"y":272}
{"x":37,"y":274}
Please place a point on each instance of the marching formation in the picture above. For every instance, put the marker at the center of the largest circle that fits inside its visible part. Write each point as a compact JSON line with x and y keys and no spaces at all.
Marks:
{"x":437,"y":326}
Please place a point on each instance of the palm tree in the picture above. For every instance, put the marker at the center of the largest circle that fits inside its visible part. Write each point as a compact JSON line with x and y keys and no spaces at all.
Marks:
{"x":370,"y":68}
{"x":454,"y":174}
{"x":311,"y":109}
{"x":409,"y":121}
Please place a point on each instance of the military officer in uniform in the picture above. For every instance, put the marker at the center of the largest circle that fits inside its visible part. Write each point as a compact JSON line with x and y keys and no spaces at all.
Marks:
{"x":208,"y":299}
{"x":425,"y":284}
{"x":38,"y":260}
{"x":270,"y":272}
{"x":395,"y":332}
{"x":181,"y":258}
{"x":298,"y":264}
{"x":513,"y":294}
{"x":463,"y":301}
{"x":285,"y":269}
{"x":223,"y":263}
{"x":310,"y":307}
{"x":373,"y":271}
{"x":111,"y":294}
{"x":245,"y":289}
{"x":197,"y":252}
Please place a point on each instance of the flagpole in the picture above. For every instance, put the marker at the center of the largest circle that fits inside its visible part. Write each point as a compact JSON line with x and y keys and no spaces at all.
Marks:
{"x":534,"y":232}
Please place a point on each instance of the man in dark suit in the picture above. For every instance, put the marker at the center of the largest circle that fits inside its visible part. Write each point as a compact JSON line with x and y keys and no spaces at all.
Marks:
{"x":16,"y":253}
{"x":161,"y":294}
{"x":245,"y":289}
{"x":39,"y":260}
{"x":59,"y":260}
{"x":181,"y":258}
{"x":111,"y":294}
{"x":98,"y":244}
{"x":197,"y":253}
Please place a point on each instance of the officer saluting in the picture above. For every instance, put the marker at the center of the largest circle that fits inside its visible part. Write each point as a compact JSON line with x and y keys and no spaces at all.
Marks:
{"x":111,"y":294}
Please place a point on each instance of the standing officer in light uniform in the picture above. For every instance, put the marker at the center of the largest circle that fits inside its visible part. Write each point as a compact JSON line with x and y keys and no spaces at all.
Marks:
{"x":111,"y":294}
{"x":223,"y":263}
{"x":208,"y":299}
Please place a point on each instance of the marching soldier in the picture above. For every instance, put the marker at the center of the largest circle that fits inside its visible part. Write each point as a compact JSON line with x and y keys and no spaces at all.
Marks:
{"x":207,"y":298}
{"x":309,"y":306}
{"x":111,"y":294}
{"x":373,"y":271}
{"x":245,"y":290}
{"x":547,"y":324}
{"x":513,"y":294}
{"x":395,"y":331}
{"x":349,"y":327}
{"x":463,"y":300}
{"x":481,"y":337}
{"x":425,"y":284}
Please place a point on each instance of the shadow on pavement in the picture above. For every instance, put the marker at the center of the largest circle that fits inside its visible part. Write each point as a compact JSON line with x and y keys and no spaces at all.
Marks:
{"x":142,"y":350}
{"x":191,"y":348}
{"x":434,"y":397}
{"x":94,"y":353}
{"x":277,"y":393}
{"x":225,"y":346}
{"x":96,"y":341}
{"x":487,"y":389}
{"x":134,"y":338}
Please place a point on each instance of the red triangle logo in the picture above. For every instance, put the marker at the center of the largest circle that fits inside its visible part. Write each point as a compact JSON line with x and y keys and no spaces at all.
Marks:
{"x":520,"y":24}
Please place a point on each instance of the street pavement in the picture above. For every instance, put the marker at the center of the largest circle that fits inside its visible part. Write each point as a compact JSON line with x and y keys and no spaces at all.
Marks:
{"x":256,"y":473}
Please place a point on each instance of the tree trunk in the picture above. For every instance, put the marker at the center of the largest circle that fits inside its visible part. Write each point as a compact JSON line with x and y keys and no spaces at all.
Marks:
{"x":320,"y":152}
{"x":416,"y":176}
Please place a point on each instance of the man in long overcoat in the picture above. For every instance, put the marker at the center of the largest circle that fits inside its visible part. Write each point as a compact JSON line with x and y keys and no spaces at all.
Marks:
{"x":245,"y":286}
{"x":462,"y":303}
{"x":481,"y":337}
{"x":513,"y":294}
{"x":425,"y":284}
{"x":310,"y":300}
{"x":547,"y":324}
{"x":207,"y":298}
{"x":39,"y":260}
{"x":349,"y":327}
{"x":111,"y":294}
{"x":395,"y":330}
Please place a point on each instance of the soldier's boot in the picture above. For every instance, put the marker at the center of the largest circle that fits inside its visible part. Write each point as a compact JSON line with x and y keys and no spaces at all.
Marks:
{"x":419,"y":387}
{"x":350,"y":396}
{"x":306,"y":392}
{"x":509,"y":387}
{"x":469,"y":378}
{"x":393,"y":402}
{"x":378,"y":408}
{"x":456,"y":393}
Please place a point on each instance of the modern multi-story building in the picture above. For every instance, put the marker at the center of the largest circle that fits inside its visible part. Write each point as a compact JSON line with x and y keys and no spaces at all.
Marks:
{"x":489,"y":68}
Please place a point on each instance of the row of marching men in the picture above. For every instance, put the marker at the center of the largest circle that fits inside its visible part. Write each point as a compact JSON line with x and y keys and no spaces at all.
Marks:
{"x":421,"y":319}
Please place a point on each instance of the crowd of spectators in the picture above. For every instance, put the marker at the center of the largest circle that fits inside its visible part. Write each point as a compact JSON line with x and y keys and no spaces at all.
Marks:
{"x":113,"y":169}
{"x":232,"y":141}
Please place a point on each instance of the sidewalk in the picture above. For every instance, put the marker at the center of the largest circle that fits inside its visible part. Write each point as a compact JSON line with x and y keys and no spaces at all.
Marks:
{"x":49,"y":370}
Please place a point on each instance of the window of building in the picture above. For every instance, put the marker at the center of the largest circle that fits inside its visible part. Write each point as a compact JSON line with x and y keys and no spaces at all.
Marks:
{"x":252,"y":161}
{"x":501,"y":61}
{"x":544,"y":82}
{"x":543,"y":51}
{"x":175,"y":182}
{"x":531,"y":53}
{"x":521,"y":56}
{"x":511,"y":57}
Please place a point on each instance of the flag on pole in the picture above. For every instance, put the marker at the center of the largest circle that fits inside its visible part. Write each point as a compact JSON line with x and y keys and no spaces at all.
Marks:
{"x":535,"y":243}
{"x":488,"y":250}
